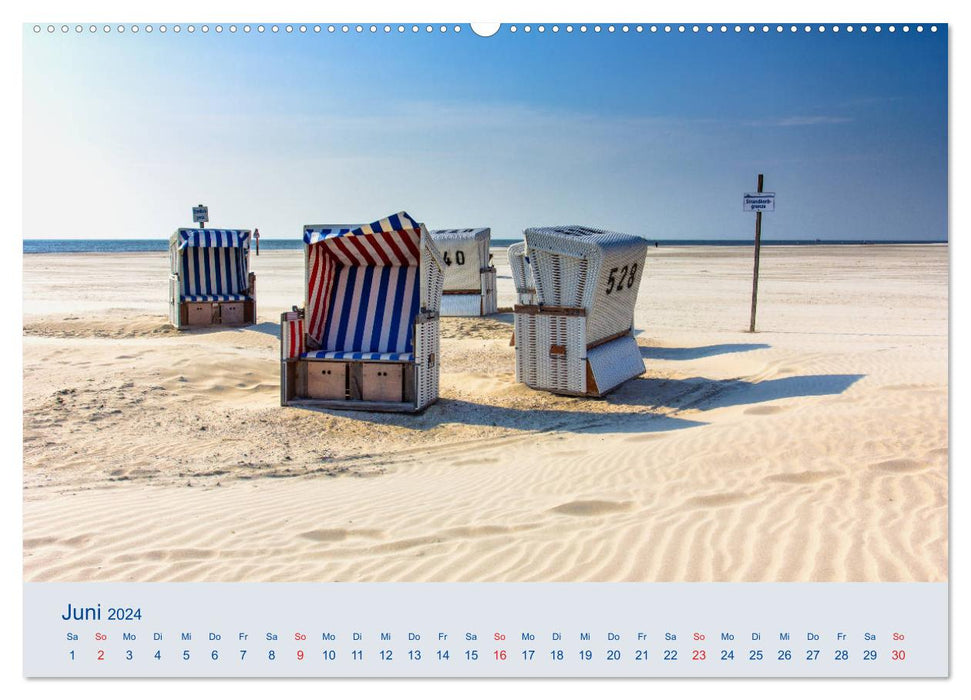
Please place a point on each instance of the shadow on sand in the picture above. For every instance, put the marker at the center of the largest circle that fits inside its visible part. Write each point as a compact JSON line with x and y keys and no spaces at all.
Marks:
{"x":446,"y":411}
{"x":266,"y":327}
{"x":706,"y":394}
{"x":699,"y":352}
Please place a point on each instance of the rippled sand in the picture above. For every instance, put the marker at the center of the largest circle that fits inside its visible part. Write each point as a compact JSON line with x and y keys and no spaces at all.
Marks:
{"x":814,"y":450}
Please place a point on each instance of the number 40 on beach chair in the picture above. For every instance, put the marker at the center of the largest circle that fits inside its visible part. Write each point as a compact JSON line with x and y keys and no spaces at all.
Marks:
{"x":368,"y":335}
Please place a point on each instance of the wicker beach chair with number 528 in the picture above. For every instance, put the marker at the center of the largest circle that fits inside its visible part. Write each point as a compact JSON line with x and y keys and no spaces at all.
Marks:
{"x":578,"y":337}
{"x":368,"y":336}
{"x":470,"y":278}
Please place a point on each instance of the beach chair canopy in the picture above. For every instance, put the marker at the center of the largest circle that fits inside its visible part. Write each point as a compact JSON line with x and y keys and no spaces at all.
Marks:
{"x":364,"y":288}
{"x":466,"y":255}
{"x":212,"y":264}
{"x":599,"y":271}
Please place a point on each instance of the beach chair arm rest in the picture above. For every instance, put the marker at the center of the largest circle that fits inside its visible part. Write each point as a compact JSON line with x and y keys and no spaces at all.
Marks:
{"x":537,"y":310}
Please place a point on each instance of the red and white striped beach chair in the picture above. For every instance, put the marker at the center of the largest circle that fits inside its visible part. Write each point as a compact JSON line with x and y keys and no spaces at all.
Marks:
{"x":210,"y":282}
{"x":368,"y":336}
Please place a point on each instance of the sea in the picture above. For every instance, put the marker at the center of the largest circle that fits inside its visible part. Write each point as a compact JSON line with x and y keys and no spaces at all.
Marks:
{"x":149,"y":245}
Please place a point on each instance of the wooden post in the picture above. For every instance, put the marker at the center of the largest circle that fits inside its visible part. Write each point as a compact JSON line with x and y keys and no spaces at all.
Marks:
{"x":755,"y":273}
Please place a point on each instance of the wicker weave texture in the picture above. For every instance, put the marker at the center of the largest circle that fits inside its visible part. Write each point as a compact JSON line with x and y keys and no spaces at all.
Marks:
{"x":465,"y":253}
{"x":427,"y":360}
{"x":461,"y":305}
{"x":525,"y":329}
{"x":522,"y":276}
{"x":615,"y":362}
{"x":599,"y":271}
{"x":561,"y":371}
{"x":175,"y":307}
{"x":432,"y":273}
{"x":490,"y":294}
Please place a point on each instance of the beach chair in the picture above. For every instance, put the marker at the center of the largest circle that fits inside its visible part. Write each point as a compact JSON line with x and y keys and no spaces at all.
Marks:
{"x":522,"y":276}
{"x":210,"y":283}
{"x":470,"y":278}
{"x":368,"y":336}
{"x":577,"y":338}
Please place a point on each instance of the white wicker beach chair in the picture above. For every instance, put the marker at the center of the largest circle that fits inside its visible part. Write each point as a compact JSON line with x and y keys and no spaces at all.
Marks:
{"x":209,"y":281}
{"x":368,"y":335}
{"x":578,"y":337}
{"x":470,"y":278}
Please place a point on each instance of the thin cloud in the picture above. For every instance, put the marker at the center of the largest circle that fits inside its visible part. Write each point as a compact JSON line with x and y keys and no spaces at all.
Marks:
{"x":801,"y":121}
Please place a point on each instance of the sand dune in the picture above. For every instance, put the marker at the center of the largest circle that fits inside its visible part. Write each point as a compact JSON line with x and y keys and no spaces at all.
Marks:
{"x":814,"y":450}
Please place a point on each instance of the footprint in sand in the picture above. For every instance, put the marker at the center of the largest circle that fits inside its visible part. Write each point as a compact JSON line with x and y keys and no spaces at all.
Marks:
{"x":718,"y":499}
{"x":808,"y":477}
{"x":337,"y":534}
{"x":644,"y":437}
{"x":470,"y":531}
{"x":474,"y":461}
{"x":764,"y":410}
{"x":166,"y":555}
{"x":592,"y":507}
{"x":898,"y":466}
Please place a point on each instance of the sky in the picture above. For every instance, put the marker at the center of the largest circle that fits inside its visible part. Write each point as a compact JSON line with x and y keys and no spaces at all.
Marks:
{"x":656,"y":134}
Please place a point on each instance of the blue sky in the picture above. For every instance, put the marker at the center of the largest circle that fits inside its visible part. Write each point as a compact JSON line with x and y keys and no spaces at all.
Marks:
{"x":654,"y":134}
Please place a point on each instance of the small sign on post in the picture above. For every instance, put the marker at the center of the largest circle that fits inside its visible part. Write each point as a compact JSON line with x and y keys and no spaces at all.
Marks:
{"x":200,"y":215}
{"x":758,"y":202}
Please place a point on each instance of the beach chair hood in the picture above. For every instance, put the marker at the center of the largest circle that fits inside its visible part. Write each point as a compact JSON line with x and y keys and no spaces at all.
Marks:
{"x":366,"y":283}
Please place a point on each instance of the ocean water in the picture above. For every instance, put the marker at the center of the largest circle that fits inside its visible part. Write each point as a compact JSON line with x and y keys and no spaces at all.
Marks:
{"x":33,"y":246}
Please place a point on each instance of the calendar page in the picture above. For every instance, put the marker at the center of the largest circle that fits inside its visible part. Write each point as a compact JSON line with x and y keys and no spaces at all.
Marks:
{"x":609,"y":349}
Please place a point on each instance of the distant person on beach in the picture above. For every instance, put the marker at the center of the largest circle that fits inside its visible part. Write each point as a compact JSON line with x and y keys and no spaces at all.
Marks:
{"x":256,"y":237}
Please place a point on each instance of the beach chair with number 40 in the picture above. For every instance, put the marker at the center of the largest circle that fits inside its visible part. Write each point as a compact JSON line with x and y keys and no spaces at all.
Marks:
{"x":470,"y":278}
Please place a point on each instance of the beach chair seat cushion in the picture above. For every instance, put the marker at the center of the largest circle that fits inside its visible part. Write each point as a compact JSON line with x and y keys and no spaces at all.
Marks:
{"x":215,"y":297}
{"x":358,"y":355}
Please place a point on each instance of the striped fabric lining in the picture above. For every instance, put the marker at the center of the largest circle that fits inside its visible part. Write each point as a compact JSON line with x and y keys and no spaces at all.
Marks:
{"x":294,"y":342}
{"x":213,"y":238}
{"x":377,"y":356}
{"x":371,"y":309}
{"x":213,"y":272}
{"x":215,"y":297}
{"x":363,"y":285}
{"x":398,"y":224}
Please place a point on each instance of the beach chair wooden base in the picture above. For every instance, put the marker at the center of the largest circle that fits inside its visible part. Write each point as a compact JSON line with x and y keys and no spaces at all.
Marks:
{"x":353,"y":385}
{"x":377,"y":406}
{"x":204,"y":314}
{"x":551,"y":354}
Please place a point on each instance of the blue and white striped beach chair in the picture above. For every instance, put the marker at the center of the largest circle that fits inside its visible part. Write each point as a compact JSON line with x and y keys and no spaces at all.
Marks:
{"x":368,"y":336}
{"x":210,"y":282}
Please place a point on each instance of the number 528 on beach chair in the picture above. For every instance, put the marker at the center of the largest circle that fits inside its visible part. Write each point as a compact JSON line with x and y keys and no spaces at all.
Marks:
{"x":368,"y":335}
{"x":577,"y":337}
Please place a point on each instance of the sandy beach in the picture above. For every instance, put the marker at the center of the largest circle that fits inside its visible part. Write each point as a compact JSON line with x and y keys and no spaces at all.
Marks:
{"x":813,"y":450}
